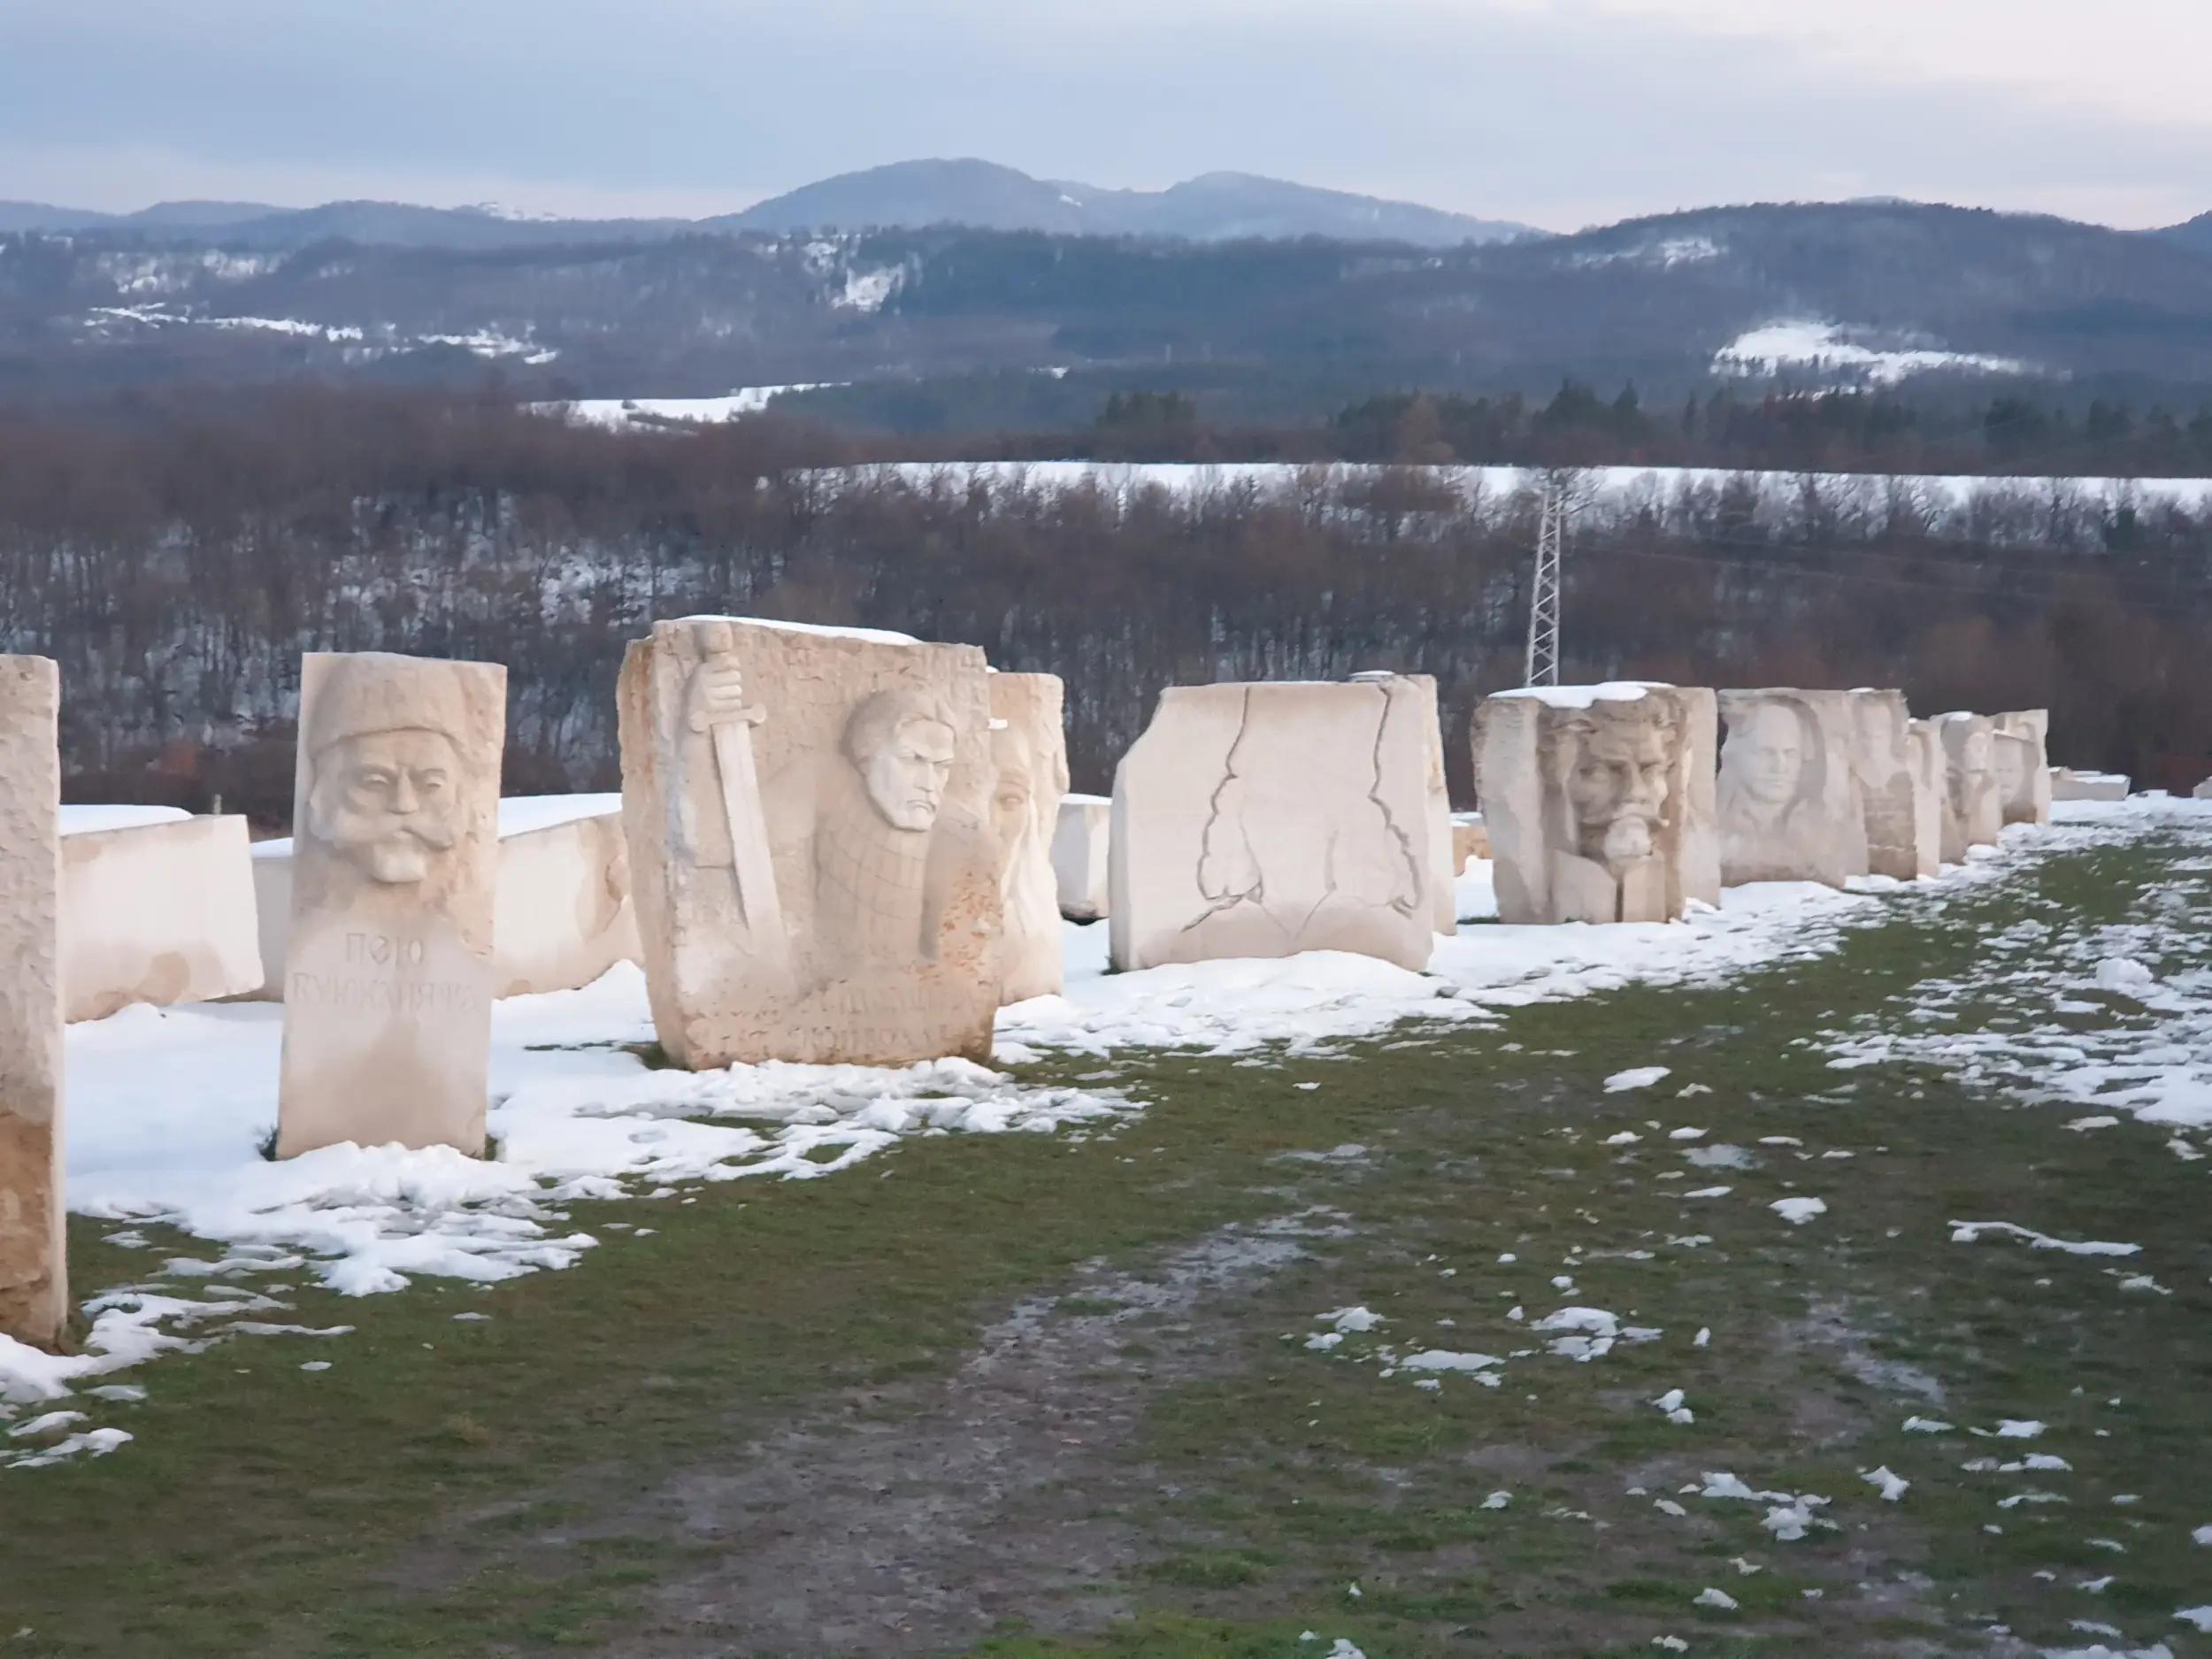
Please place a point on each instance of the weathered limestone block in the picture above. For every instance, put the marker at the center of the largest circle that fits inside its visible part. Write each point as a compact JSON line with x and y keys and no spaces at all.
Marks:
{"x":811,"y":843}
{"x":34,"y":1267}
{"x":2068,"y":785}
{"x":1470,"y":839}
{"x":1973,"y":808}
{"x":1079,"y":856}
{"x":1444,"y":872}
{"x":2023,"y":771}
{"x":1930,"y":789}
{"x":1265,"y":820}
{"x":388,"y":984}
{"x":1029,"y":749}
{"x":1882,"y":762}
{"x":1600,"y":801}
{"x":1790,"y":807}
{"x":2203,"y":791}
{"x":562,"y":914}
{"x":159,"y":912}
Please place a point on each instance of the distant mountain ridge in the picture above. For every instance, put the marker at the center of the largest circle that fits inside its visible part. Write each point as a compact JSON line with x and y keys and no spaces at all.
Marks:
{"x":1212,"y":207}
{"x":1797,"y":295}
{"x":906,"y":195}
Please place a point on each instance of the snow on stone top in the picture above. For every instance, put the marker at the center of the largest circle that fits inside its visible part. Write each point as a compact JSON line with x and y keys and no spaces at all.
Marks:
{"x":877,"y":636}
{"x":519,"y":814}
{"x":1583,"y":696}
{"x":85,"y":820}
{"x":1087,"y":800}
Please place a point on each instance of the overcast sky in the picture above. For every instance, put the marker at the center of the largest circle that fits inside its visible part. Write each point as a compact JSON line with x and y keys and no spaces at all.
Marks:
{"x":1558,"y":112}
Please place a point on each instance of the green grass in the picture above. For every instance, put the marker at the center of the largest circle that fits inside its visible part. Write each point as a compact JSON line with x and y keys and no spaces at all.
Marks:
{"x":461,"y":1488}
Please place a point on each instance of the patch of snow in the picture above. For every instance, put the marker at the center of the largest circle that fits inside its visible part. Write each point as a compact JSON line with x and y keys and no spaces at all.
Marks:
{"x":91,"y":820}
{"x":1798,"y":1212}
{"x":1721,"y":1599}
{"x":1892,"y":1486}
{"x":1824,"y":346}
{"x":1636,"y":1076}
{"x":1970,"y":1232}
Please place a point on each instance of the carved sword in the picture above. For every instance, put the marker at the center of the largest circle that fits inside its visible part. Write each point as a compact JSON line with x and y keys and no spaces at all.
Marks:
{"x":759,"y":903}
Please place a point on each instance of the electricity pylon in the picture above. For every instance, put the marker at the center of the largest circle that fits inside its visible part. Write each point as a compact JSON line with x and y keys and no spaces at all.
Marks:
{"x":1543,"y":604}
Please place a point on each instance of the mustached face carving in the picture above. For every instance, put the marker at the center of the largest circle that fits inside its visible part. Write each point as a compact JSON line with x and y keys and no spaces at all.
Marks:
{"x":388,"y":801}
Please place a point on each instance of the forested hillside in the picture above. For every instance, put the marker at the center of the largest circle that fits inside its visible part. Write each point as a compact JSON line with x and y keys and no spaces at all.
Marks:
{"x":178,"y":569}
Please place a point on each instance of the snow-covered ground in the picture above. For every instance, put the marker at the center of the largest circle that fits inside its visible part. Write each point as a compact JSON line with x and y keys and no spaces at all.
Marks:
{"x":1603,"y":494}
{"x":169,"y":1107}
{"x":2110,"y":1020}
{"x":620,"y":413}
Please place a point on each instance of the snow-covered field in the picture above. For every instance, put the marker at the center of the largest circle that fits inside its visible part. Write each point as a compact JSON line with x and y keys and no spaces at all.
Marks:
{"x":636,"y":413}
{"x":169,"y":1109}
{"x":1603,"y":493}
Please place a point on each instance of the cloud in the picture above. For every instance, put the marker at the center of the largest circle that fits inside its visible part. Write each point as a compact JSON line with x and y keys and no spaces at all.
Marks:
{"x":1557,"y":111}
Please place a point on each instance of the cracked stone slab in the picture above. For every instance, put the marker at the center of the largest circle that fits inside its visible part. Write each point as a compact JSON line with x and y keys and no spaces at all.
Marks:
{"x":1260,"y":821}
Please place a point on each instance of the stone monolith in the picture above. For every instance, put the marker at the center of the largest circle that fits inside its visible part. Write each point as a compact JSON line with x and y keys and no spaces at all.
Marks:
{"x":1881,"y":760}
{"x":2202,"y":792}
{"x":2068,"y":785}
{"x":388,"y":981}
{"x":34,"y":1267}
{"x":1931,"y":790}
{"x":1029,"y":749}
{"x":2023,"y":772}
{"x":157,"y":912}
{"x":1973,"y":811}
{"x":1600,"y":801}
{"x":811,"y":845}
{"x":1079,"y":856}
{"x":1265,"y":820}
{"x":1790,"y":807}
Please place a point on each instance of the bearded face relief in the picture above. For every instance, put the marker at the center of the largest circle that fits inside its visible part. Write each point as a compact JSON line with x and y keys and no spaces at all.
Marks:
{"x":388,"y":801}
{"x":1617,"y":785}
{"x":2010,"y":763}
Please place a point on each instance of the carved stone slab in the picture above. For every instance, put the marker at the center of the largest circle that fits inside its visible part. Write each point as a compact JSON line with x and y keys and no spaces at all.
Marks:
{"x":1790,"y":806}
{"x":157,"y":913}
{"x":1079,"y":856}
{"x":1973,"y":808}
{"x":388,"y":984}
{"x":1029,"y":749}
{"x":34,"y":1271}
{"x":1600,"y":801}
{"x":2023,"y":772}
{"x":1881,"y":758}
{"x":811,"y":845}
{"x":1265,"y":820}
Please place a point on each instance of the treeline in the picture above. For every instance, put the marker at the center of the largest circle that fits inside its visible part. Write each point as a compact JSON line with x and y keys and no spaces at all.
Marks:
{"x":1832,"y":432}
{"x":177,"y":566}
